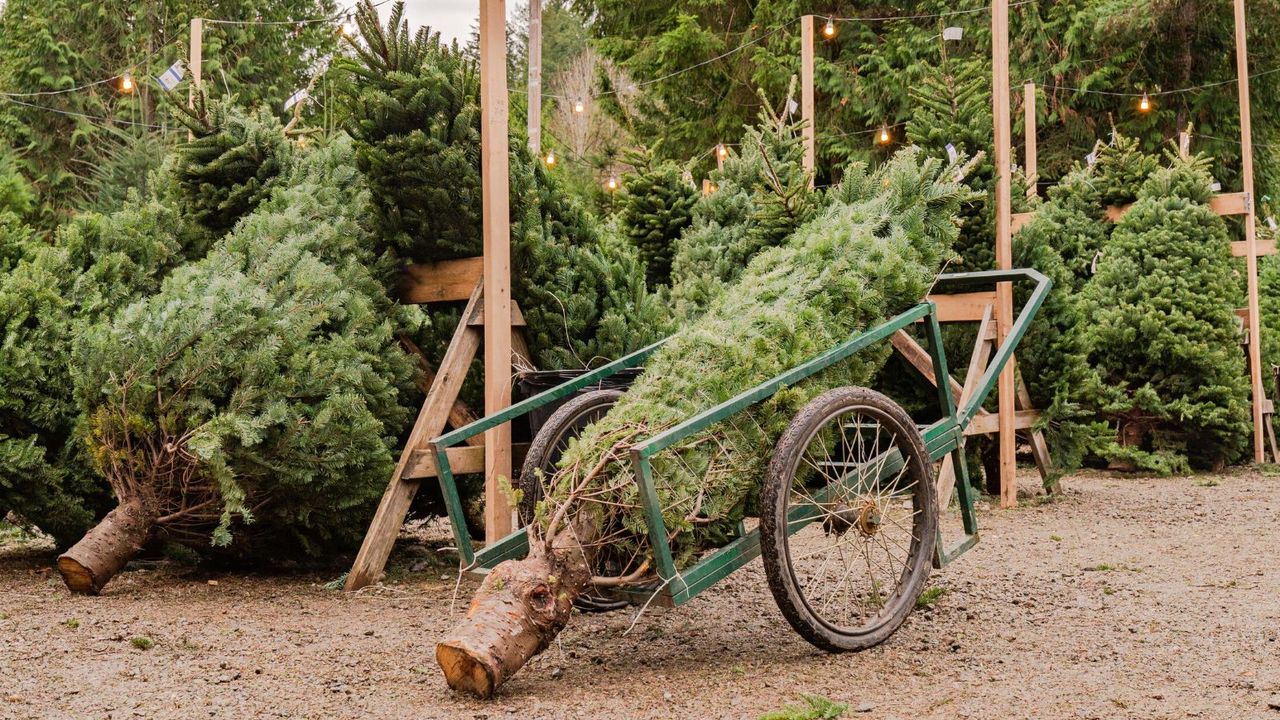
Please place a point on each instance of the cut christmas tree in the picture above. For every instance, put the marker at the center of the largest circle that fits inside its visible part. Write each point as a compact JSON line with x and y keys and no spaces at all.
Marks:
{"x":873,"y":253}
{"x":258,"y":393}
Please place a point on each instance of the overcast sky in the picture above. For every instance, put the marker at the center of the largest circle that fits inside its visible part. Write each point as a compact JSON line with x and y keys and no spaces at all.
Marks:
{"x":453,"y":18}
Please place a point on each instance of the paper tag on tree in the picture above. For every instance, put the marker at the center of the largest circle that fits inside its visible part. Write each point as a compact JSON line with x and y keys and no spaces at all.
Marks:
{"x":296,"y":98}
{"x":170,"y":78}
{"x":952,"y":154}
{"x":952,"y":33}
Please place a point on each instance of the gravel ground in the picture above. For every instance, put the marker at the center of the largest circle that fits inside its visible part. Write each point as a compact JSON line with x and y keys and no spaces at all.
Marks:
{"x":1126,"y":598}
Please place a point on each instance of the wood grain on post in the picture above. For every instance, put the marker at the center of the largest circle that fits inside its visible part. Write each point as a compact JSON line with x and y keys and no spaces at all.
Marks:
{"x":806,"y":97}
{"x":1004,"y":245}
{"x":495,"y":175}
{"x":1029,"y":118}
{"x":535,"y":77}
{"x":1250,"y":233}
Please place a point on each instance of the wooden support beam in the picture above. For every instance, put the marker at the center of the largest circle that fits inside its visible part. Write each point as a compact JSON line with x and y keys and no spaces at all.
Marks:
{"x":443,"y":281}
{"x":478,"y":317}
{"x":381,"y":536}
{"x":534,"y":123}
{"x":990,"y":423}
{"x":1250,"y":230}
{"x":1018,"y":220}
{"x":1240,"y":248}
{"x":982,"y":349}
{"x":806,"y":96}
{"x":1039,"y":447}
{"x":1029,"y":129}
{"x":495,"y":177}
{"x":463,"y":460}
{"x":459,"y":414}
{"x":962,"y":307}
{"x":920,"y":359}
{"x":1004,"y":245}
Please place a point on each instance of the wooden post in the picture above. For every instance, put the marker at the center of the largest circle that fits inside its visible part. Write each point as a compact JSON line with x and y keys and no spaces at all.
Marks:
{"x":1250,"y":233}
{"x":535,"y":77}
{"x":806,"y":96}
{"x":497,"y":261}
{"x":1029,"y":117}
{"x":1004,"y":244}
{"x":195,"y":59}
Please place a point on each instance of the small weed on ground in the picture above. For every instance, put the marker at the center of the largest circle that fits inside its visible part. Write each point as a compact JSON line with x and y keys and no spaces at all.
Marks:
{"x":1208,"y":482}
{"x":71,"y":623}
{"x":814,"y":708}
{"x":930,"y":596}
{"x":142,"y":642}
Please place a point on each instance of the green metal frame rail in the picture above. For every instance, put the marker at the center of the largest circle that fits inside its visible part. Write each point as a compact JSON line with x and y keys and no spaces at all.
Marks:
{"x":675,"y":586}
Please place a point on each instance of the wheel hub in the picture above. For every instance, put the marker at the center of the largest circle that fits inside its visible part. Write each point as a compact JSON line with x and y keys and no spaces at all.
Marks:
{"x":869,"y":519}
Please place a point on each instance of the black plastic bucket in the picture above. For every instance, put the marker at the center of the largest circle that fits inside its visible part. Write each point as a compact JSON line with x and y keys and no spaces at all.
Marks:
{"x":532,"y":383}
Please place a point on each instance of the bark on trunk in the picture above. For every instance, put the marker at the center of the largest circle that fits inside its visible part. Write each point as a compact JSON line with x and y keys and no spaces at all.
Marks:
{"x":105,"y":549}
{"x":519,"y":609}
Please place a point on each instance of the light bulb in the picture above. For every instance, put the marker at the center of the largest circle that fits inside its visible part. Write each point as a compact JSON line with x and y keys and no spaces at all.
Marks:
{"x":884,"y":136}
{"x":829,"y":30}
{"x":550,"y":159}
{"x":348,"y":27}
{"x":1144,"y":105}
{"x":579,"y":106}
{"x":612,"y":184}
{"x":126,"y":83}
{"x":722,"y":151}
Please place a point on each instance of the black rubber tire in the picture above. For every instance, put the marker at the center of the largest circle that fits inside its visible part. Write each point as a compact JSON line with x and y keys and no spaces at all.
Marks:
{"x":775,"y":549}
{"x":544,"y":452}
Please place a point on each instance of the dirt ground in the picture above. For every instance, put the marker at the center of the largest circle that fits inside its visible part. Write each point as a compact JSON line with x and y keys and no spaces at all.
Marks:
{"x":1127,"y":598}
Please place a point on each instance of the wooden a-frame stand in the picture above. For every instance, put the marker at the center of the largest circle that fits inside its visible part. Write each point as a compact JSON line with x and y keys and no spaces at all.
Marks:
{"x":1014,"y":412}
{"x":968,"y":307}
{"x":452,"y":280}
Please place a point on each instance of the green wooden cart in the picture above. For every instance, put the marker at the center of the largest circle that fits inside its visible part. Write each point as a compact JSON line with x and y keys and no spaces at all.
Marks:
{"x":849,"y":522}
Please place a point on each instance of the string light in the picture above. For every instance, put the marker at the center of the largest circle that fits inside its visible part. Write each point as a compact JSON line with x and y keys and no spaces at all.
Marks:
{"x":550,"y":159}
{"x":722,"y":151}
{"x":126,"y":83}
{"x":829,"y":30}
{"x":579,"y":106}
{"x":1144,"y":105}
{"x":612,"y":184}
{"x":348,"y":27}
{"x":884,"y":138}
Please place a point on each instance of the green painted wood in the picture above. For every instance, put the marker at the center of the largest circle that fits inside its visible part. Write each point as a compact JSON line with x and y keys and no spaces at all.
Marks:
{"x":764,"y":390}
{"x":547,"y":396}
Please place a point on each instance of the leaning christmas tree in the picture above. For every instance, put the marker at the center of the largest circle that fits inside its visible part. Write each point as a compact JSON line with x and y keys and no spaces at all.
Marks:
{"x":257,"y":396}
{"x":871,"y":254}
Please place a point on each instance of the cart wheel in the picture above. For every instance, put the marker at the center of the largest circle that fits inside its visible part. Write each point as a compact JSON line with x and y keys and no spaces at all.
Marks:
{"x":565,"y":424}
{"x":544,"y":453}
{"x":848,"y":520}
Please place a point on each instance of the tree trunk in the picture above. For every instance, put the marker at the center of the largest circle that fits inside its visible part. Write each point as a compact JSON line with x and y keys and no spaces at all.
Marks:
{"x":105,"y":549}
{"x":519,"y":609}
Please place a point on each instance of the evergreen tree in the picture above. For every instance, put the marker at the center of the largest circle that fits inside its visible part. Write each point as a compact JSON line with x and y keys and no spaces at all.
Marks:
{"x":66,"y":136}
{"x":657,"y":205}
{"x":1162,"y":337}
{"x":414,"y":113}
{"x":231,"y":163}
{"x":763,"y":195}
{"x":259,"y":393}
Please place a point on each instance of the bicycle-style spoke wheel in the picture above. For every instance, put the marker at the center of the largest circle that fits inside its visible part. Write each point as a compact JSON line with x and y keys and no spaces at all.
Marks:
{"x":848,"y":523}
